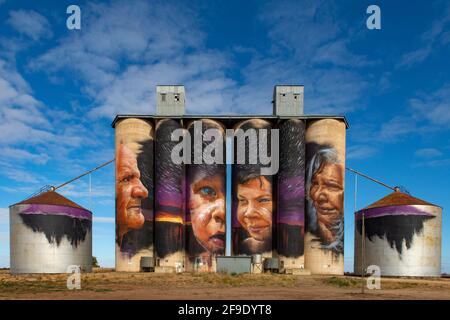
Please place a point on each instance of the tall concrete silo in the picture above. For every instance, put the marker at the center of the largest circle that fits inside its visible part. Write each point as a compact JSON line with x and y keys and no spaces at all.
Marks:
{"x":252,"y":192}
{"x":134,"y":194}
{"x":291,"y":195}
{"x":206,"y":196}
{"x":402,"y":236}
{"x":324,"y":218}
{"x":49,"y":233}
{"x":170,"y":204}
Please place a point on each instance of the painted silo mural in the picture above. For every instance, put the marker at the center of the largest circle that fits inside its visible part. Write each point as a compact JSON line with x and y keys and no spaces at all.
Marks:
{"x":291,"y":195}
{"x":134,"y":193}
{"x":403,"y":236}
{"x":325,"y":172}
{"x":169,"y":198}
{"x":253,"y":202}
{"x":206,"y":191}
{"x":49,"y":233}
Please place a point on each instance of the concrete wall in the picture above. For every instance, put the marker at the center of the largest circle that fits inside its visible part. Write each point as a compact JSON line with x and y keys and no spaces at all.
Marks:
{"x":288,"y":100}
{"x":170,"y":100}
{"x":36,"y":245}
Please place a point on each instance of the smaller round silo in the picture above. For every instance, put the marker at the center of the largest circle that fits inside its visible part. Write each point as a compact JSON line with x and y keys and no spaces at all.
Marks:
{"x":402,"y":236}
{"x":49,"y":233}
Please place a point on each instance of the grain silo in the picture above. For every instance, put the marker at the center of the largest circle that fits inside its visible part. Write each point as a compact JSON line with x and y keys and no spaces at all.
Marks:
{"x":134,"y":194}
{"x":402,"y":236}
{"x":291,"y":195}
{"x":252,"y":192}
{"x":206,"y":196}
{"x":49,"y":233}
{"x":169,"y":199}
{"x":324,"y":218}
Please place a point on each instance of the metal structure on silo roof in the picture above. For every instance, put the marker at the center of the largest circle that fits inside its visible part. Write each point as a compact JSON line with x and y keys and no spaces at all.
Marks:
{"x":402,"y":236}
{"x":49,"y":233}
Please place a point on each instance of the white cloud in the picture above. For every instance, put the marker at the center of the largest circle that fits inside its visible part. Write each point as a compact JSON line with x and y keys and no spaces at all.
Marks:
{"x":104,"y":219}
{"x":396,"y":128}
{"x":23,"y":155}
{"x":434,"y":106}
{"x":30,"y":23}
{"x":415,"y":56}
{"x":429,"y":40}
{"x":152,"y":41}
{"x":308,"y":47}
{"x":4,"y":215}
{"x":337,"y":53}
{"x":359,"y":152}
{"x":428,"y":153}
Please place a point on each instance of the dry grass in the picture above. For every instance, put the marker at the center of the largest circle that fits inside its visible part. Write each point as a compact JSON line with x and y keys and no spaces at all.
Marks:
{"x":105,"y":283}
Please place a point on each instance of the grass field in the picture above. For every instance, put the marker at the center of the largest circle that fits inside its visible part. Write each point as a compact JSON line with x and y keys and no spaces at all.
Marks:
{"x":106,"y":284}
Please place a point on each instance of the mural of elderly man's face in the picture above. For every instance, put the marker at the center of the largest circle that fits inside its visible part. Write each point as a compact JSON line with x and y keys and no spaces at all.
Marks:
{"x":254,"y":210}
{"x":207,"y":207}
{"x":129,"y":191}
{"x":327,"y":194}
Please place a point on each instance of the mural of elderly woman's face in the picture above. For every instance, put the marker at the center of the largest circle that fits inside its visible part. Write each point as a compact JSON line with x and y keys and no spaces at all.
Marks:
{"x":207,"y":207}
{"x":254,"y":210}
{"x":327,"y":194}
{"x":129,"y":191}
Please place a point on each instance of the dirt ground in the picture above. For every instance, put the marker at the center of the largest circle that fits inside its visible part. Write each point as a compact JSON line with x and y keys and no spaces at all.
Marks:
{"x":106,"y":284}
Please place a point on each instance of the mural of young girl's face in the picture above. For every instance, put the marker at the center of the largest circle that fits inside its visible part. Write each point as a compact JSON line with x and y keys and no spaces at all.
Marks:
{"x":207,"y":208}
{"x":255,"y":206}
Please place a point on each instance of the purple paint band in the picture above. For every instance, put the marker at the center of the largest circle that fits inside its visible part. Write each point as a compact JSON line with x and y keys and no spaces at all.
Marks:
{"x":405,"y":210}
{"x":293,"y":219}
{"x":291,"y":201}
{"x":47,"y":209}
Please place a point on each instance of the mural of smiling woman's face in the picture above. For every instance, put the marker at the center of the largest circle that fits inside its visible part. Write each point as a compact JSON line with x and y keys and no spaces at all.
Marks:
{"x":254,"y":210}
{"x":207,"y":207}
{"x":327,"y":194}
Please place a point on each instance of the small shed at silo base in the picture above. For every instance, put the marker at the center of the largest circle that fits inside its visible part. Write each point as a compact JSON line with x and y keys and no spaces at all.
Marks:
{"x":402,"y":236}
{"x":49,"y":233}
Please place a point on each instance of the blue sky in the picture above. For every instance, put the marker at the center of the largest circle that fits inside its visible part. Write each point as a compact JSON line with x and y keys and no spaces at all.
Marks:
{"x":60,"y":88}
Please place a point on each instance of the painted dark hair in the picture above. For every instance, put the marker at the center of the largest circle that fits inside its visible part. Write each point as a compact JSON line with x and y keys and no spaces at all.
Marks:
{"x":55,"y":227}
{"x":145,"y":165}
{"x":292,"y":155}
{"x":197,"y":171}
{"x":395,"y":229}
{"x":169,"y":174}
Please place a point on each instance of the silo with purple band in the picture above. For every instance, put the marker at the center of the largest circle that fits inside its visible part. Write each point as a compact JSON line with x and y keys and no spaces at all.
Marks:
{"x":402,"y":237}
{"x":48,"y":234}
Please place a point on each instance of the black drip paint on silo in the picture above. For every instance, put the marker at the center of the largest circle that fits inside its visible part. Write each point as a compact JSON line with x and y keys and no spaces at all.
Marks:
{"x":395,"y":229}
